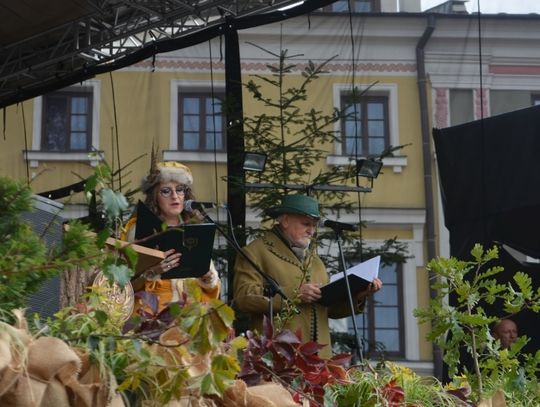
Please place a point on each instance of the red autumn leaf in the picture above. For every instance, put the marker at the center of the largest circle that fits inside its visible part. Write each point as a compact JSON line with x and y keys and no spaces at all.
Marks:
{"x":310,"y":348}
{"x":393,"y":393}
{"x":338,"y":372}
{"x":312,"y":360}
{"x":81,"y":308}
{"x":313,"y":377}
{"x":285,"y":350}
{"x":287,"y":336}
{"x":305,"y":366}
{"x":341,"y":359}
{"x":268,"y":328}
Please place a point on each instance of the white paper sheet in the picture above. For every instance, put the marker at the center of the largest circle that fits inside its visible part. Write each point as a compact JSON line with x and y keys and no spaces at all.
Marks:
{"x":368,"y":270}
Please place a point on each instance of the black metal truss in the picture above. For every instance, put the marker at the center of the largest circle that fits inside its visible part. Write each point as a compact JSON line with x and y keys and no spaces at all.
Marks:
{"x":110,"y":31}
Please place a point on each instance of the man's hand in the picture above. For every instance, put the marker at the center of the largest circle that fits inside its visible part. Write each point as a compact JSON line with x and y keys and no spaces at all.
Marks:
{"x":309,"y":292}
{"x":375,"y":286}
{"x":210,"y":279}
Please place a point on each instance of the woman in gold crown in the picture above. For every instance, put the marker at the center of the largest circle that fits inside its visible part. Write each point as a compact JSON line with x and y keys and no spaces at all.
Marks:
{"x":167,"y":187}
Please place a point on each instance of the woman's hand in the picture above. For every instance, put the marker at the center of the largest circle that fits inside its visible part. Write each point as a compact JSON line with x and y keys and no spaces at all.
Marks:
{"x":309,"y":292}
{"x":171,"y":260}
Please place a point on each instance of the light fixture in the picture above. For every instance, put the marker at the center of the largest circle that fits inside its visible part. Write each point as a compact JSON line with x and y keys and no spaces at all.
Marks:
{"x":368,"y":167}
{"x":254,"y":162}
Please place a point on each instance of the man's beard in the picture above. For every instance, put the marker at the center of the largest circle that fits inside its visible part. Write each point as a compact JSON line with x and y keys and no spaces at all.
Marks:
{"x":303,"y":244}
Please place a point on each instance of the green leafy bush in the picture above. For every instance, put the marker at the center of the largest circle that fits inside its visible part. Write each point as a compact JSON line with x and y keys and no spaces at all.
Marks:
{"x":466,"y":324}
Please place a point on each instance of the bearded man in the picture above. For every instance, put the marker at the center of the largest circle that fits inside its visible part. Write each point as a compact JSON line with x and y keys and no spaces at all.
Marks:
{"x":287,"y":253}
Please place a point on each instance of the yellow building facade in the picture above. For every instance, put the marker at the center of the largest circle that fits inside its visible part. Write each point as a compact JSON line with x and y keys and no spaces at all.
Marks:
{"x":129,"y":110}
{"x":138,"y":106}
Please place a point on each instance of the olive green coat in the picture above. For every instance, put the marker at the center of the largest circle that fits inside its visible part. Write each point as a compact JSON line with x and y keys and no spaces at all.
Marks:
{"x":276,"y":258}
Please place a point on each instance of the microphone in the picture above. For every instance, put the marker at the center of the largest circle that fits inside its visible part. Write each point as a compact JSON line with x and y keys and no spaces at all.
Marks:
{"x":190,"y":205}
{"x":337,"y":226}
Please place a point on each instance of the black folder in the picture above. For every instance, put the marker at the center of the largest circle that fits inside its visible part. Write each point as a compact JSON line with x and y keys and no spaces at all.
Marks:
{"x":336,"y":291}
{"x":194,"y":240}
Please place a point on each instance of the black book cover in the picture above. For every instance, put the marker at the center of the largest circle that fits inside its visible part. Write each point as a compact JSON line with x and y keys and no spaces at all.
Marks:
{"x":360,"y":277}
{"x":336,"y":291}
{"x":195,"y":241}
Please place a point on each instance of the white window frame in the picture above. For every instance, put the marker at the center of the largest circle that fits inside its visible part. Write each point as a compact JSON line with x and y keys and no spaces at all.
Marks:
{"x":93,"y":157}
{"x":173,"y":154}
{"x":401,"y":218}
{"x":389,"y":90}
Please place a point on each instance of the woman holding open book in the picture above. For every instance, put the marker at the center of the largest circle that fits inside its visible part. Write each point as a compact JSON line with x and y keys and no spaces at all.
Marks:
{"x":166,"y":188}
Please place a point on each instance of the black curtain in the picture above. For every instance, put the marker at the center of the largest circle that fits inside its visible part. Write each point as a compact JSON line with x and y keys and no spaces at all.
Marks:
{"x":489,"y":173}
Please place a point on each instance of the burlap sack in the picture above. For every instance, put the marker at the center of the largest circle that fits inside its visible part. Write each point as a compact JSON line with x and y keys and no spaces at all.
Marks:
{"x":47,"y":374}
{"x":263,"y":395}
{"x":497,"y":400}
{"x":89,"y":390}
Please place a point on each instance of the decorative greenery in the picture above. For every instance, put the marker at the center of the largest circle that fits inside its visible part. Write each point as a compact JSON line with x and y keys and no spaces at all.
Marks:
{"x":189,"y":347}
{"x":466,"y":325}
{"x":280,"y":356}
{"x":160,"y":355}
{"x":21,"y":250}
{"x":108,"y":209}
{"x":25,"y":261}
{"x":390,"y":385}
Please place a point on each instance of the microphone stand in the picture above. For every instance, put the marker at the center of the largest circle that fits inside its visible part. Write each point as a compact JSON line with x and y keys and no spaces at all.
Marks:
{"x":338,"y":233}
{"x":271,"y":287}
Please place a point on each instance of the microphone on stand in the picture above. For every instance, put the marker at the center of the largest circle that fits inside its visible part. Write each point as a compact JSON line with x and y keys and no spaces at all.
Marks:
{"x":190,"y":205}
{"x":271,"y":286}
{"x":337,"y":226}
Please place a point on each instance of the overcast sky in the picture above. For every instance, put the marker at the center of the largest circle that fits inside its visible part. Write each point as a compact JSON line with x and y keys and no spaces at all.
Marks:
{"x":494,"y":6}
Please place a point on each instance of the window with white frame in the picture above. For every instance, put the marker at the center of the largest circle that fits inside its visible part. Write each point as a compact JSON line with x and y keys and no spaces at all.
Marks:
{"x":370,"y":126}
{"x":67,"y":120}
{"x":66,"y":124}
{"x":197,"y":122}
{"x":364,"y":128}
{"x":201,"y":121}
{"x":381,"y":325}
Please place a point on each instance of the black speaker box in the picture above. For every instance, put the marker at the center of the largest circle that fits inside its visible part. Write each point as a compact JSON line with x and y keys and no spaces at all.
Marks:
{"x":46,"y":223}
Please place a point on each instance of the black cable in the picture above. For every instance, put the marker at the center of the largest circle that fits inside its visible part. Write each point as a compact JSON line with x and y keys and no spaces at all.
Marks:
{"x":482,"y":132}
{"x":214,"y":133}
{"x":4,"y":123}
{"x":480,"y":62}
{"x":358,"y":194}
{"x":26,"y":160}
{"x":116,"y":138}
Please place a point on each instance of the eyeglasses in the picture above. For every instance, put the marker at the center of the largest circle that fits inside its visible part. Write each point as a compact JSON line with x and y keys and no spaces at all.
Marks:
{"x":167,"y":192}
